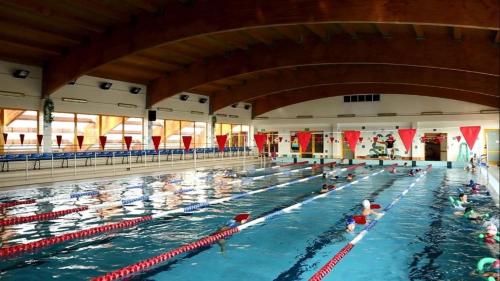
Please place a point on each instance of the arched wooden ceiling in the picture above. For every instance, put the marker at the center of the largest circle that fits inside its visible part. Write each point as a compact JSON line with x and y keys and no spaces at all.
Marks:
{"x":216,"y":47}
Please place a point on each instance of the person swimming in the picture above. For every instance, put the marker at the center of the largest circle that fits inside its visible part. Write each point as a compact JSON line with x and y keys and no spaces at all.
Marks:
{"x":367,"y":210}
{"x":463,"y":199}
{"x":405,"y":164}
{"x":411,"y":173}
{"x":235,"y":222}
{"x":470,"y":214}
{"x":325,"y":188}
{"x":491,"y":235}
{"x":471,"y":183}
{"x":350,"y":224}
{"x":350,"y":177}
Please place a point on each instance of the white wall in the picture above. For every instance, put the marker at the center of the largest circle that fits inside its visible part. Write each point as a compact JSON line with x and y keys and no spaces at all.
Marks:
{"x":390,"y":103}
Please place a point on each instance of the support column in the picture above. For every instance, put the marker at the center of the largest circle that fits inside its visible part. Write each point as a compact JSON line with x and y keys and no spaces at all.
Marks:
{"x":1,"y":130}
{"x":210,"y":131}
{"x":46,"y":129}
{"x":147,"y":131}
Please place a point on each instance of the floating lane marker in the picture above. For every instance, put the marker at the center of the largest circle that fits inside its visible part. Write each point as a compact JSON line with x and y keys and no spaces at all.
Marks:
{"x":145,"y":264}
{"x":57,"y":214}
{"x":347,"y":248}
{"x":277,"y":166}
{"x":250,"y":179}
{"x":6,"y":251}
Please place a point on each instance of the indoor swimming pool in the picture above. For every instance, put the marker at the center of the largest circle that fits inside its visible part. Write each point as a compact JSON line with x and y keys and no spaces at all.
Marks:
{"x":420,"y":238}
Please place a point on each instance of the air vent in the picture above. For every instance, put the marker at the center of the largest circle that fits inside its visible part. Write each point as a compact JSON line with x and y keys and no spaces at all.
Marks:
{"x":197,"y":112}
{"x":233,"y":116}
{"x":346,"y":115}
{"x":221,"y":115}
{"x":303,"y":116}
{"x":386,"y":114}
{"x":431,"y":113}
{"x":362,"y":98}
{"x":261,"y":118}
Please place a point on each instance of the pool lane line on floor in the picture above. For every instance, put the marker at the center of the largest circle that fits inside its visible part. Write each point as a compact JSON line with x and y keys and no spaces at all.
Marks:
{"x":57,"y":239}
{"x":120,"y":203}
{"x":141,"y":266}
{"x":323,"y":271}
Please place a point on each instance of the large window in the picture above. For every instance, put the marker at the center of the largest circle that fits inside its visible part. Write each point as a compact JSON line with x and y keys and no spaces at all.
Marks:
{"x":16,"y":123}
{"x":63,"y":127}
{"x":172,"y":133}
{"x":133,"y":127}
{"x":237,"y":135}
{"x":200,"y":134}
{"x":88,"y":127}
{"x":112,"y":128}
{"x":158,"y":129}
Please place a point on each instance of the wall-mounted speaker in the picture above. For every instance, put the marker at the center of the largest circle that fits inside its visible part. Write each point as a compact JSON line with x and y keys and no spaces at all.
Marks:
{"x":152,"y":115}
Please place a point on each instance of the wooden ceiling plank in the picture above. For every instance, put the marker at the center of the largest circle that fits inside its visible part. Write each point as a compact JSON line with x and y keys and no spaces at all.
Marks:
{"x":149,"y":63}
{"x":34,"y":34}
{"x":40,"y":8}
{"x":320,"y":30}
{"x":457,"y":33}
{"x":292,"y":32}
{"x":497,"y":37}
{"x":383,"y":29}
{"x":20,"y":48}
{"x":349,"y":29}
{"x":419,"y":31}
{"x":145,"y":5}
{"x":233,"y":39}
{"x":256,"y":35}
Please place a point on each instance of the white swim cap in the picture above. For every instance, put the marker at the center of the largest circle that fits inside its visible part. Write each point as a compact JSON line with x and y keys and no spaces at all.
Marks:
{"x":491,"y":229}
{"x":366,"y":204}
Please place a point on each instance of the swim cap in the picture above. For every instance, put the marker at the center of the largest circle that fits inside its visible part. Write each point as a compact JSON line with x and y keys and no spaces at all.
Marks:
{"x":496,"y":264}
{"x":491,"y":229}
{"x":366,"y":204}
{"x":349,"y":221}
{"x":231,"y":223}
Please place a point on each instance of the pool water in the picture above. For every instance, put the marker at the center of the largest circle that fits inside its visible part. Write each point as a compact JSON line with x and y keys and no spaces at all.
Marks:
{"x":419,"y":239}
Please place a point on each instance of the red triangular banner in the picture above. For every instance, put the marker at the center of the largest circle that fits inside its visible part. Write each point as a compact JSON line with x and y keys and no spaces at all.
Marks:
{"x":280,"y":138}
{"x":21,"y":138}
{"x":459,"y":138}
{"x":221,"y":141}
{"x":39,"y":138}
{"x":187,"y":142}
{"x":304,"y":138}
{"x":80,"y":141}
{"x":5,"y":136}
{"x":352,"y":138}
{"x":59,"y":140}
{"x":361,"y":139}
{"x":102,"y":141}
{"x":470,"y":134}
{"x":128,"y":141}
{"x":292,"y":138}
{"x":156,"y":142}
{"x":260,"y":139}
{"x":407,"y":136}
{"x":332,"y":139}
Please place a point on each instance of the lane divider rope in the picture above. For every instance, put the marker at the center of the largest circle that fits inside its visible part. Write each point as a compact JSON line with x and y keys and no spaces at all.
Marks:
{"x":277,"y":166}
{"x":145,"y":264}
{"x":327,"y":268}
{"x":10,"y":250}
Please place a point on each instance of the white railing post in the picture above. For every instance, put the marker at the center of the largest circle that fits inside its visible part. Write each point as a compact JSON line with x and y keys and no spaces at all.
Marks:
{"x":113,"y":163}
{"x":95,"y":161}
{"x":145,"y":158}
{"x":74,"y":168}
{"x":130,"y":160}
{"x":52,"y":165}
{"x":27,"y":167}
{"x":159,"y":155}
{"x":172,"y":157}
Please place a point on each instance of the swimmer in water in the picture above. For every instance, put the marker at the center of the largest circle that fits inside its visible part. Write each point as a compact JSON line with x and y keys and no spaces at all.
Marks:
{"x":350,"y":177}
{"x":411,"y":173}
{"x":367,"y":210}
{"x":470,"y":214}
{"x":491,"y":235}
{"x":235,"y":222}
{"x":405,"y":165}
{"x":325,"y":188}
{"x":350,"y":225}
{"x":463,"y":199}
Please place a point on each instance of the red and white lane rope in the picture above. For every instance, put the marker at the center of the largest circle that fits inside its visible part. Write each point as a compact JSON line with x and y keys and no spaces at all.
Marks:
{"x":148,"y":263}
{"x":320,"y":274}
{"x":6,"y":251}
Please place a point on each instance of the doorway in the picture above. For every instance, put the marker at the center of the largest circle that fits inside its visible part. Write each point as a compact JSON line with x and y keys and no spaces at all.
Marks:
{"x":436,"y":147}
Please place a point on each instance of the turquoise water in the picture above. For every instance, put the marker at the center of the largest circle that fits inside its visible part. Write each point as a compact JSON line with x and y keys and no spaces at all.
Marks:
{"x":418,"y":239}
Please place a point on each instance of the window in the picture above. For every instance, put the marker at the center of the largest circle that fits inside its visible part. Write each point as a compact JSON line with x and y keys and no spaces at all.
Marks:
{"x":187,"y":129}
{"x":315,"y":145}
{"x":200,"y":134}
{"x":112,"y":128}
{"x":63,"y":127}
{"x":133,"y":127}
{"x":15,"y":124}
{"x":172,"y":133}
{"x":88,"y":127}
{"x":158,"y":129}
{"x":237,"y":134}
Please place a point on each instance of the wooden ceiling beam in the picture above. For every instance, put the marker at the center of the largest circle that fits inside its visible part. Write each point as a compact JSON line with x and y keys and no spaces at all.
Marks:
{"x":41,"y":9}
{"x":497,"y":37}
{"x":145,"y":5}
{"x":292,"y":32}
{"x":349,"y":29}
{"x":383,"y":29}
{"x":20,"y":47}
{"x":320,"y":30}
{"x":482,"y":56}
{"x":150,"y":31}
{"x":271,"y":102}
{"x":419,"y":31}
{"x":257,"y":35}
{"x":357,"y":73}
{"x":457,"y":33}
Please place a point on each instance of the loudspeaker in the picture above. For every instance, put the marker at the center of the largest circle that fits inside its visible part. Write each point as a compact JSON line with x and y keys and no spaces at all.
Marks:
{"x":152,"y":115}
